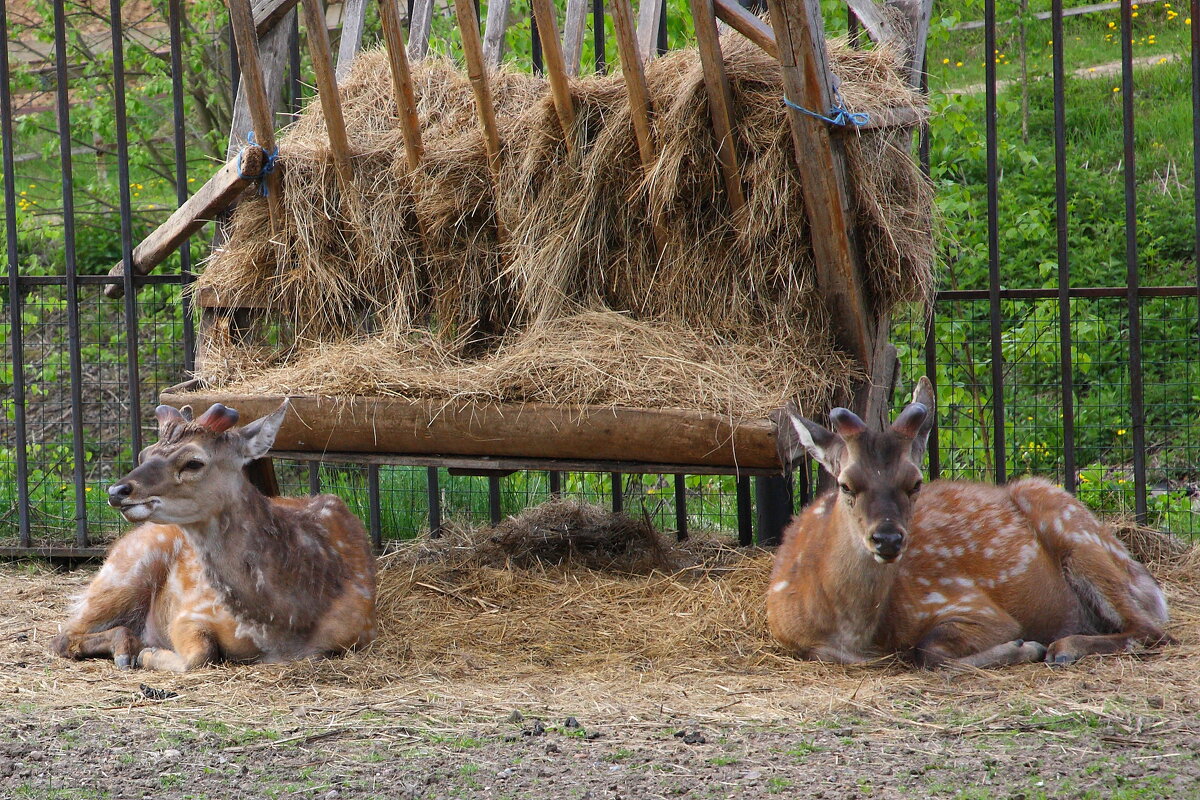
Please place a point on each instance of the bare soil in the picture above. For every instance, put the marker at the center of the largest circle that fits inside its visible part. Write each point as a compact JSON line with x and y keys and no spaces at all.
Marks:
{"x":1122,"y":727}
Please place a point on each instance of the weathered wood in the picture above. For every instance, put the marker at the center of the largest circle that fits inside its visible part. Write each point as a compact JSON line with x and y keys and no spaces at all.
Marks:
{"x":720,"y":101}
{"x":354,"y":19}
{"x":273,"y":49}
{"x":327,"y":91}
{"x":483,"y":464}
{"x":530,"y":430}
{"x":560,"y":89}
{"x":214,"y":196}
{"x":820,"y":157}
{"x":418,"y":29}
{"x":493,"y":32}
{"x":649,"y":20}
{"x":639,"y":99}
{"x":872,"y":17}
{"x":753,"y":28}
{"x":468,"y":27}
{"x":209,"y":298}
{"x":261,"y":474}
{"x":406,"y":100}
{"x":269,"y":13}
{"x":895,"y":117}
{"x":918,"y":13}
{"x":573,"y":30}
{"x":260,"y":106}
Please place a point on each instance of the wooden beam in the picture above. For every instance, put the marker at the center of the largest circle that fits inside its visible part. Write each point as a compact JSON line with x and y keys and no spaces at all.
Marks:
{"x":720,"y":101}
{"x":261,"y":109}
{"x":205,"y":205}
{"x":573,"y":30}
{"x":406,"y":100}
{"x":543,"y":12}
{"x":639,"y":99}
{"x":872,"y":17}
{"x":354,"y":19}
{"x":522,"y":430}
{"x":468,"y":27}
{"x":327,"y":91}
{"x":493,"y":32}
{"x":918,"y":13}
{"x":753,"y":28}
{"x":269,"y":13}
{"x":649,"y":20}
{"x":418,"y":29}
{"x":820,"y":158}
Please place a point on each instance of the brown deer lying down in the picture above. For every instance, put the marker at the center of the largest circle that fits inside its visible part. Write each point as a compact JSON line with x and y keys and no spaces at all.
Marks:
{"x":217,"y":570}
{"x":957,"y":572}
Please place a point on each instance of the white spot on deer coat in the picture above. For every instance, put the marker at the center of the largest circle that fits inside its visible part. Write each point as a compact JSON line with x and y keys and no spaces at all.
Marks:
{"x":934,"y":598}
{"x":780,"y":586}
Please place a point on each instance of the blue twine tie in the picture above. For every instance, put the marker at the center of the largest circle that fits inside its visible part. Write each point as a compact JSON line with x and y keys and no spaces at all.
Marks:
{"x":838,"y":115}
{"x":268,"y":165}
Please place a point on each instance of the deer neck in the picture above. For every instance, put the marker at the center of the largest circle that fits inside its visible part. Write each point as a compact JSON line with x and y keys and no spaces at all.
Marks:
{"x":861,"y":589}
{"x":271,"y":564}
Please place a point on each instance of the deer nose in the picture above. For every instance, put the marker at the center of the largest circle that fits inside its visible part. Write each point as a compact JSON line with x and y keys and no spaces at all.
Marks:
{"x":118,"y":492}
{"x":887,"y":540}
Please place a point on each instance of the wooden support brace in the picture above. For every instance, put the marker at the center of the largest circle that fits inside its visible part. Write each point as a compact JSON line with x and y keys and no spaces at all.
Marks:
{"x":573,"y":30}
{"x":639,"y":99}
{"x":543,"y":12}
{"x":918,"y":13}
{"x":331,"y":102}
{"x":418,"y":29}
{"x":799,"y":33}
{"x":872,"y":17}
{"x":213,"y":197}
{"x":720,"y":101}
{"x":269,"y":13}
{"x":406,"y":100}
{"x":753,"y":28}
{"x":261,"y":113}
{"x":649,"y":20}
{"x":354,"y":19}
{"x":468,"y":26}
{"x":493,"y":32}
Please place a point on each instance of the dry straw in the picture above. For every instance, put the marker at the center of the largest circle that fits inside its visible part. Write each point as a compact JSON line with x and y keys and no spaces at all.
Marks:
{"x":404,"y":288}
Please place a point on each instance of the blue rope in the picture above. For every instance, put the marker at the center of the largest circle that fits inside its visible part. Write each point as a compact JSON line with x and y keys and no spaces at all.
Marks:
{"x":838,"y":115}
{"x":268,"y":165}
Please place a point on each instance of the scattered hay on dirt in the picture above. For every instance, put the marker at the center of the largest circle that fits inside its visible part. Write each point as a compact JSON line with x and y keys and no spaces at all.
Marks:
{"x":574,"y":303}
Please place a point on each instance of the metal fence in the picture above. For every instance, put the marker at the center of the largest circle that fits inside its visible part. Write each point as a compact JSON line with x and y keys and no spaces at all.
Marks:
{"x":1097,"y":386}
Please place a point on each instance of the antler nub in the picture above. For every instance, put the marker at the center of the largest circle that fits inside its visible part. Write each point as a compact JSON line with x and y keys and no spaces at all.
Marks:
{"x":218,"y":418}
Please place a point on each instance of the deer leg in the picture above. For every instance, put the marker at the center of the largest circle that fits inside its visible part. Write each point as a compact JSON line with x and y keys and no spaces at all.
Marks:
{"x":1072,"y":648}
{"x":119,"y":642}
{"x":989,"y":640}
{"x":194,"y":647}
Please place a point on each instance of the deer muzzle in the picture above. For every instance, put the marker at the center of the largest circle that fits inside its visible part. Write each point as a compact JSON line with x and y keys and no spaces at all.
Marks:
{"x":887,"y":541}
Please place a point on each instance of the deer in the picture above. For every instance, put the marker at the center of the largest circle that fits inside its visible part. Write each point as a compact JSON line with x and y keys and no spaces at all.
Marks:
{"x":217,"y":571}
{"x":952,"y":574}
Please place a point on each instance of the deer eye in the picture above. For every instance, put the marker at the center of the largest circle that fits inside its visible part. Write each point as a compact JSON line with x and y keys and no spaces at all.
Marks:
{"x":846,"y":490}
{"x":915,"y":489}
{"x":193,"y":464}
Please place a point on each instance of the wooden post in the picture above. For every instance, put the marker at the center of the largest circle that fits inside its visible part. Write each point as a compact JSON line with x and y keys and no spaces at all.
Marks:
{"x":649,"y":20}
{"x":639,"y":99}
{"x":871,"y":15}
{"x":468,"y":26}
{"x":799,"y":33}
{"x":573,"y":30}
{"x":354,"y":18}
{"x":268,"y":13}
{"x":406,"y":100}
{"x":418,"y":29}
{"x":543,"y":12}
{"x":331,"y":102}
{"x":753,"y":28}
{"x":720,"y":101}
{"x":493,"y":32}
{"x":240,"y":17}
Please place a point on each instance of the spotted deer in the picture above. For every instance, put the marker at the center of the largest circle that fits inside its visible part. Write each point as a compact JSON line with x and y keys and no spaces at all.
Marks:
{"x":953,"y":573}
{"x":216,"y":570}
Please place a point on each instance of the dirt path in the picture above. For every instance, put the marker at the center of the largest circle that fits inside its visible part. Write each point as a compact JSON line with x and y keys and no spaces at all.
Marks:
{"x":1105,"y":70}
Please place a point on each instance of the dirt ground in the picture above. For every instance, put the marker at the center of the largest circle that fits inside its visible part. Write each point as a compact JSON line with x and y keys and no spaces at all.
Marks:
{"x":1120,"y":727}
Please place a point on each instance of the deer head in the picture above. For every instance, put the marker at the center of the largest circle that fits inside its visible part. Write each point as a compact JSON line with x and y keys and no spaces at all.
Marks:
{"x":878,"y":474}
{"x":195,"y":467}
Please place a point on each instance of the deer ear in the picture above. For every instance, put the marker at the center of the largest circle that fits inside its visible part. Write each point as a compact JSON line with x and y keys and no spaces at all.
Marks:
{"x":258,"y":436}
{"x":186,"y":411}
{"x":797,"y":435}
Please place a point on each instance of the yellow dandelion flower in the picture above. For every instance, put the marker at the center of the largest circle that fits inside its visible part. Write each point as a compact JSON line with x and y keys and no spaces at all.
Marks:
{"x":191,"y":180}
{"x":1134,"y":14}
{"x":1120,"y":431}
{"x":945,"y":61}
{"x":1116,"y":88}
{"x":958,"y":63}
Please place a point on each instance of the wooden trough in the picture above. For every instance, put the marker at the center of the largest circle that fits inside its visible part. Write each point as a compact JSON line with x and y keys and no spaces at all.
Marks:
{"x":489,"y":437}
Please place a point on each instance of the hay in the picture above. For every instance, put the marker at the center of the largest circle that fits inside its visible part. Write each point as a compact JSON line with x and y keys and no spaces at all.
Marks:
{"x":575,"y":305}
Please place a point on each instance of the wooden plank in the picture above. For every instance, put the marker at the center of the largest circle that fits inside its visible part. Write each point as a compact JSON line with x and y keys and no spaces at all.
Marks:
{"x":753,"y":28}
{"x":418,"y":29}
{"x":720,"y":101}
{"x":269,"y":13}
{"x":573,"y":30}
{"x":820,"y":158}
{"x":639,"y":98}
{"x":649,"y":20}
{"x":895,"y":117}
{"x":327,"y":91}
{"x":872,"y":17}
{"x":354,"y":19}
{"x":486,"y":464}
{"x":530,"y":430}
{"x":918,"y":13}
{"x":406,"y":101}
{"x":260,"y":107}
{"x":468,"y":27}
{"x":493,"y":32}
{"x":217,"y":194}
{"x":560,"y":89}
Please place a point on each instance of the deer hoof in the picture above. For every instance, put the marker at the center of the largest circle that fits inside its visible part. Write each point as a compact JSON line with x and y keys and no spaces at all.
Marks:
{"x":124,"y":661}
{"x":1032,"y":651}
{"x":145,"y":655}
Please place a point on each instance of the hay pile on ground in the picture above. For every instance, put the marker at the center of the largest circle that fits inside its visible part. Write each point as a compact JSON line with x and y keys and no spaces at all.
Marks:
{"x":575,"y":305}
